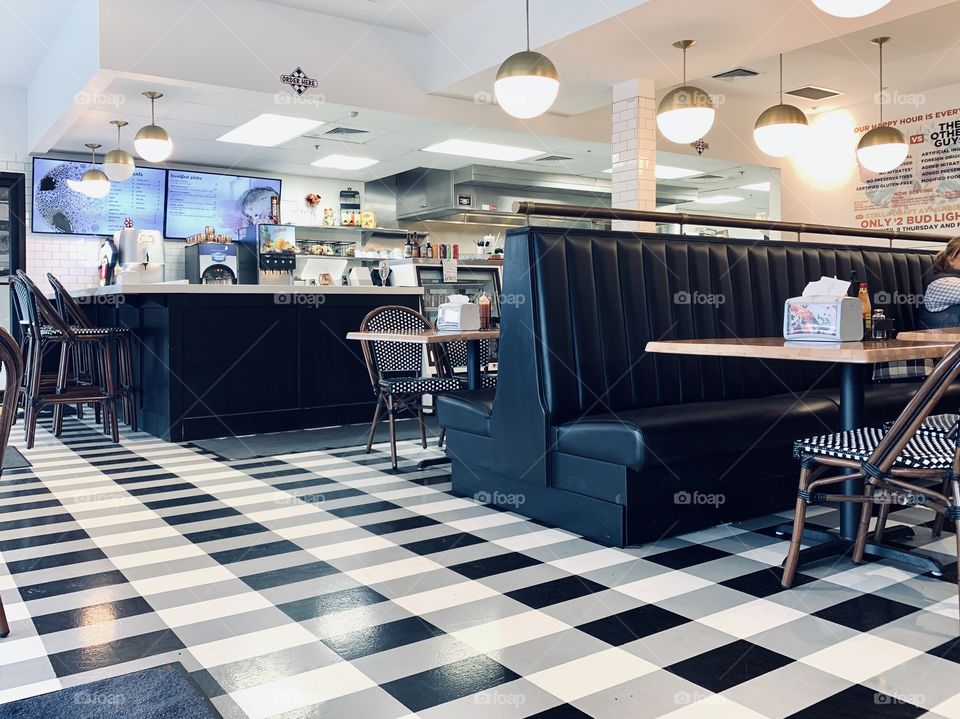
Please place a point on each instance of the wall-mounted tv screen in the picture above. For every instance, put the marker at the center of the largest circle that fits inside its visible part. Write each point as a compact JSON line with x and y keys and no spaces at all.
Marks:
{"x":228,"y":203}
{"x":59,"y":209}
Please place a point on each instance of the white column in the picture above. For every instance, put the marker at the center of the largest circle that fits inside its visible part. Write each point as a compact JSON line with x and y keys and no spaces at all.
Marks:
{"x":634,"y":150}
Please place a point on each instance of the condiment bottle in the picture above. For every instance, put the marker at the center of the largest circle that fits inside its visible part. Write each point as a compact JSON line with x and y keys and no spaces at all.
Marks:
{"x":483,"y":302}
{"x":865,"y":306}
{"x":456,"y":252}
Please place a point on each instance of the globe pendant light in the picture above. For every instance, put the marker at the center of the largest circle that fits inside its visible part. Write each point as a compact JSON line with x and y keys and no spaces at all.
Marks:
{"x":781,"y":129}
{"x":153,"y":143}
{"x":686,"y":114}
{"x":94,"y":183}
{"x":118,"y":164}
{"x":850,"y":8}
{"x":527,"y":82}
{"x":884,"y":148}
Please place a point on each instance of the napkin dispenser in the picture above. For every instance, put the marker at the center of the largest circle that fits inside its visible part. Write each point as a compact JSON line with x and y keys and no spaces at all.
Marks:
{"x":458,"y":315}
{"x":824,"y":313}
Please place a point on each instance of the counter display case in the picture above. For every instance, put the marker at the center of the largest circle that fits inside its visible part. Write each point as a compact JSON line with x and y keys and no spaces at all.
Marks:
{"x":471,"y":278}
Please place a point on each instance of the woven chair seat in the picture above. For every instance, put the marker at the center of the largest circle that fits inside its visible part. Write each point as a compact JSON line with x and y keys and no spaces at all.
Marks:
{"x":422,"y":385}
{"x":934,"y":424}
{"x":924,"y":451}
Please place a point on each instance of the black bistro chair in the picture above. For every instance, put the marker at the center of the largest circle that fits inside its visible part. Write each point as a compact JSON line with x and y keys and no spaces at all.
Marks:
{"x":453,"y":359}
{"x":896,"y":467}
{"x":48,"y":332}
{"x":11,"y":360}
{"x":396,"y":371}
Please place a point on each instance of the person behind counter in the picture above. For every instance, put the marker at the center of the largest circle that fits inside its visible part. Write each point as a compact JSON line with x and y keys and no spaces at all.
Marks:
{"x":941,"y":298}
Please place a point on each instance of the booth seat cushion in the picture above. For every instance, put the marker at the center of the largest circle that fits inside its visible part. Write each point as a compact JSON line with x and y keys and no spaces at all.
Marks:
{"x":468,"y":411}
{"x":678,"y":433}
{"x":885,"y":401}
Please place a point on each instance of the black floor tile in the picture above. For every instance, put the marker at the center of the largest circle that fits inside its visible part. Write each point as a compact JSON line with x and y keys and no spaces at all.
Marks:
{"x":48,"y":561}
{"x":24,"y":506}
{"x":866,"y":612}
{"x":687,"y":556}
{"x":373,"y":640}
{"x":400,"y":525}
{"x":27,"y":522}
{"x":176,"y":519}
{"x":107,"y":612}
{"x":563,"y":711}
{"x":765,"y":582}
{"x":356,"y":510}
{"x":859,"y":702}
{"x":729,"y":665}
{"x":289,"y":575}
{"x":161,"y":489}
{"x":949,"y":650}
{"x":304,"y":483}
{"x":555,"y":591}
{"x":256,"y":551}
{"x":488,"y":566}
{"x":73,"y":584}
{"x":199,"y":498}
{"x":87,"y":659}
{"x":444,"y":543}
{"x":312,"y":607}
{"x":40,"y":540}
{"x":452,"y":681}
{"x":236,"y":530}
{"x":633,"y":624}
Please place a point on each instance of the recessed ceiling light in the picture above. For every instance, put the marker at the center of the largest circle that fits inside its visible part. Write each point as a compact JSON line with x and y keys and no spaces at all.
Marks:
{"x":269,"y":130}
{"x":482,"y":150}
{"x":344,"y":162}
{"x":719,"y":200}
{"x":609,"y":172}
{"x":666,"y":172}
{"x":757,"y":187}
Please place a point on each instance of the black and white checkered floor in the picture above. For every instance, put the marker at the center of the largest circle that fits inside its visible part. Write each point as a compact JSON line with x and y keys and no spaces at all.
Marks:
{"x":321,"y":585}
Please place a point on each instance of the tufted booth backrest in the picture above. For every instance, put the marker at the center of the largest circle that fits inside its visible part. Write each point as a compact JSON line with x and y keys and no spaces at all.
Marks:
{"x":599,"y":297}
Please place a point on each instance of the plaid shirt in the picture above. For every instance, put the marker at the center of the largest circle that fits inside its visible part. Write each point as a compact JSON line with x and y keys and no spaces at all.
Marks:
{"x":942,"y":293}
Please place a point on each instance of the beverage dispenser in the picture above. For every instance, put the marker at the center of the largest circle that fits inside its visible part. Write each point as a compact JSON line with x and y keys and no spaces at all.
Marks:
{"x":268,"y":255}
{"x":141,"y":255}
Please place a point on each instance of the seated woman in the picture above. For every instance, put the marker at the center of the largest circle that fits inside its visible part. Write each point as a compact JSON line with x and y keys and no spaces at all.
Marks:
{"x":941,"y":299}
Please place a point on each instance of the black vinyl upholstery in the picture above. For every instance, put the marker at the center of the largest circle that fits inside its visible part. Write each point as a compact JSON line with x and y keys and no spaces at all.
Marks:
{"x":582,"y":410}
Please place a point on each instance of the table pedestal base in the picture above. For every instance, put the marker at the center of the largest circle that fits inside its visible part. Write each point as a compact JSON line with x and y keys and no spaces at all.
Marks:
{"x":830,"y":544}
{"x":433,"y":462}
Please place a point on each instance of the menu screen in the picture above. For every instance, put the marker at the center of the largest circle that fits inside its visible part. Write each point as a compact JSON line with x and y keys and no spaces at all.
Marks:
{"x":229,"y":203}
{"x":59,"y":209}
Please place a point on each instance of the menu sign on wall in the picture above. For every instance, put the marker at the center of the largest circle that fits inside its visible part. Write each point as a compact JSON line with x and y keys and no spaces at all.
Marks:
{"x":923,"y":194}
{"x":230,"y":203}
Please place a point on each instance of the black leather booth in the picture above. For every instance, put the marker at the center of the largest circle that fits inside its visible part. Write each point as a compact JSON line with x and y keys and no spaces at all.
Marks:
{"x":588,"y":432}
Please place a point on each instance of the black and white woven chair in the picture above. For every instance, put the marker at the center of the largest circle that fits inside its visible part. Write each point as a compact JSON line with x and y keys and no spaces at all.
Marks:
{"x":454,"y":362}
{"x":889,"y":463}
{"x":396,"y":371}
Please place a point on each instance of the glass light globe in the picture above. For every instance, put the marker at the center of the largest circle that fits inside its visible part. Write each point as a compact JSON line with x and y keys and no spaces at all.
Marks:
{"x":882,"y":149}
{"x":94,"y":184}
{"x":850,"y":8}
{"x":153,"y":143}
{"x":686,"y":114}
{"x":527,"y":84}
{"x":119,"y":165}
{"x":780,"y":130}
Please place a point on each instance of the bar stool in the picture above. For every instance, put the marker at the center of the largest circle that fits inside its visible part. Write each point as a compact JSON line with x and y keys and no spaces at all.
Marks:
{"x":74,"y":315}
{"x":49,"y":332}
{"x":11,"y":360}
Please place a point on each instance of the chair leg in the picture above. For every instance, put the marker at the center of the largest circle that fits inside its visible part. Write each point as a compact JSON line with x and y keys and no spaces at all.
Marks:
{"x":938,"y":523}
{"x":881,"y":521}
{"x":110,"y":389}
{"x":423,"y":428}
{"x":793,"y":553}
{"x":4,"y":626}
{"x":864,"y":528}
{"x":443,"y":436}
{"x":393,"y":430}
{"x":126,"y":371}
{"x":376,"y":421}
{"x":65,"y":352}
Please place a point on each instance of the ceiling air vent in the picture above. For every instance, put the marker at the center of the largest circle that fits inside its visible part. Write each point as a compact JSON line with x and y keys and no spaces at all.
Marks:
{"x":811,"y":92}
{"x":706,"y":178}
{"x":553,"y":158}
{"x":345,"y":132}
{"x":735,"y":73}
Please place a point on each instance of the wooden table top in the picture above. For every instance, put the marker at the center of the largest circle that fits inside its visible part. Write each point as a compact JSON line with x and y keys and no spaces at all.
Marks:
{"x":946,"y":334}
{"x":866,"y":352}
{"x":429,"y":337}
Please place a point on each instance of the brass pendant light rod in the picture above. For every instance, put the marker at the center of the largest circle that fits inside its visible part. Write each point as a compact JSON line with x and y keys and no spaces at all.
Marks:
{"x":683,"y":46}
{"x":781,"y":78}
{"x":154,"y":96}
{"x":93,"y":150}
{"x":528,"y":25}
{"x":119,"y":124}
{"x":880,"y":42}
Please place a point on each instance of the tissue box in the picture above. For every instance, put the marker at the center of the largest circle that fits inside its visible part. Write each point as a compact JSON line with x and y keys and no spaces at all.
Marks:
{"x":458,"y":317}
{"x":823,"y":319}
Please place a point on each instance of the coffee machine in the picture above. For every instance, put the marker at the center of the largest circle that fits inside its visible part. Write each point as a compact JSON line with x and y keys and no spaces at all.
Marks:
{"x":211,"y":263}
{"x":141,"y":258}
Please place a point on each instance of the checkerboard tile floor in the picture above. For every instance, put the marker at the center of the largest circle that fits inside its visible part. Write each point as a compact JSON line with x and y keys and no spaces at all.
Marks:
{"x":321,"y":585}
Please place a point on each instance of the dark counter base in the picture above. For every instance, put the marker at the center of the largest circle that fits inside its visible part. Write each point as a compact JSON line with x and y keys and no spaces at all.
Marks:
{"x":221,"y":365}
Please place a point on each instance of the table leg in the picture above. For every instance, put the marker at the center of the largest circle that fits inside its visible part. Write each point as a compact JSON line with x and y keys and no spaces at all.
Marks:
{"x":832,"y":544}
{"x":473,"y":364}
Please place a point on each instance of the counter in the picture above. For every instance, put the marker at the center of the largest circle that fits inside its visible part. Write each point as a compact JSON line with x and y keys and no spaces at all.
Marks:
{"x":219,"y":360}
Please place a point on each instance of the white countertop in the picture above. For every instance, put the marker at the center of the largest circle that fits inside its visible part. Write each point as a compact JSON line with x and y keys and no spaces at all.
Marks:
{"x":185,"y":289}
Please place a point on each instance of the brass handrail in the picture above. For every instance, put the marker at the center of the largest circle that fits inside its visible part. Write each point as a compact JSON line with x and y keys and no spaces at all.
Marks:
{"x":680,"y":218}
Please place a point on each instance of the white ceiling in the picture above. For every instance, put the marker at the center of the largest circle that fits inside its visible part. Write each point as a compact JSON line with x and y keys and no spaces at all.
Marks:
{"x":26,"y":30}
{"x":417,"y":16}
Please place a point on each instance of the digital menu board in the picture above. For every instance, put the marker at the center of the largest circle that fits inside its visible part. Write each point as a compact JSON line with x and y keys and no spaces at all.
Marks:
{"x":59,"y":209}
{"x":228,"y":203}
